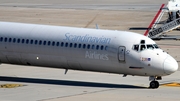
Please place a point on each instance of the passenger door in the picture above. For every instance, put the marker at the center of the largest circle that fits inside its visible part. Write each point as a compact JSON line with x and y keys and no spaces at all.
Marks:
{"x":121,"y":53}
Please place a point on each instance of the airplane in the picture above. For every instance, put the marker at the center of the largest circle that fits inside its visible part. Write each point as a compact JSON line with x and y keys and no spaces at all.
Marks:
{"x":157,"y":29}
{"x":173,"y":5}
{"x":97,"y":50}
{"x":173,"y":8}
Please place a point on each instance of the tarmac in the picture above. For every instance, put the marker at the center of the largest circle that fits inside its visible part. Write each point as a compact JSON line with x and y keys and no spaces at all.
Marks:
{"x":29,"y":83}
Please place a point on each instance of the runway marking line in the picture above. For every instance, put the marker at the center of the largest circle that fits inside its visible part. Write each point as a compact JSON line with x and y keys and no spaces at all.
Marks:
{"x":10,"y":85}
{"x":173,"y":84}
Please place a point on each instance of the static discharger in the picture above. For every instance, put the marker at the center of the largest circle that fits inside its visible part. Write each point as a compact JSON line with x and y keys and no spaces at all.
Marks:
{"x":10,"y":85}
{"x":173,"y":84}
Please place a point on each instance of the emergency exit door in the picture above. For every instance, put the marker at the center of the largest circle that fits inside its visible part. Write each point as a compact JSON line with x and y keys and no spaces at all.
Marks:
{"x":121,"y":54}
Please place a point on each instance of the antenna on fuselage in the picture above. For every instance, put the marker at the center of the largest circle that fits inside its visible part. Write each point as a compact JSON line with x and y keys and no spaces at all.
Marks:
{"x":97,"y":26}
{"x":66,"y":71}
{"x":142,"y":42}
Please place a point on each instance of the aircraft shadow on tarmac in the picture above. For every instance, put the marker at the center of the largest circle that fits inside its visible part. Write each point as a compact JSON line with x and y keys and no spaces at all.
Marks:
{"x":68,"y":82}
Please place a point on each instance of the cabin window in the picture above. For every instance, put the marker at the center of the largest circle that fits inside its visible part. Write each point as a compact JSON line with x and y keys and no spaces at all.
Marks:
{"x":18,"y":40}
{"x":70,"y":45}
{"x":62,"y":44}
{"x":1,"y":39}
{"x":75,"y":45}
{"x":44,"y":43}
{"x":31,"y":41}
{"x":66,"y":45}
{"x":156,"y":46}
{"x":49,"y":43}
{"x":40,"y":42}
{"x":149,"y":46}
{"x":84,"y":46}
{"x":22,"y":41}
{"x":53,"y":43}
{"x":106,"y":47}
{"x":92,"y":46}
{"x":79,"y":46}
{"x":102,"y":47}
{"x":142,"y":42}
{"x":97,"y":47}
{"x":136,"y":47}
{"x":88,"y":46}
{"x":143,"y":47}
{"x":36,"y":42}
{"x":57,"y":44}
{"x":5,"y":39}
{"x":27,"y":41}
{"x":14,"y":40}
{"x":10,"y":39}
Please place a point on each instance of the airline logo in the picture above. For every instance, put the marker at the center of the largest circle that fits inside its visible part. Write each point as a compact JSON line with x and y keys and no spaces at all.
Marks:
{"x":86,"y":39}
{"x":95,"y":55}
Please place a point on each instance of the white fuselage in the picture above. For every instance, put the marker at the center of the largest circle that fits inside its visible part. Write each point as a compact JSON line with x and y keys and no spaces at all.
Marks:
{"x":173,"y":5}
{"x":83,"y":49}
